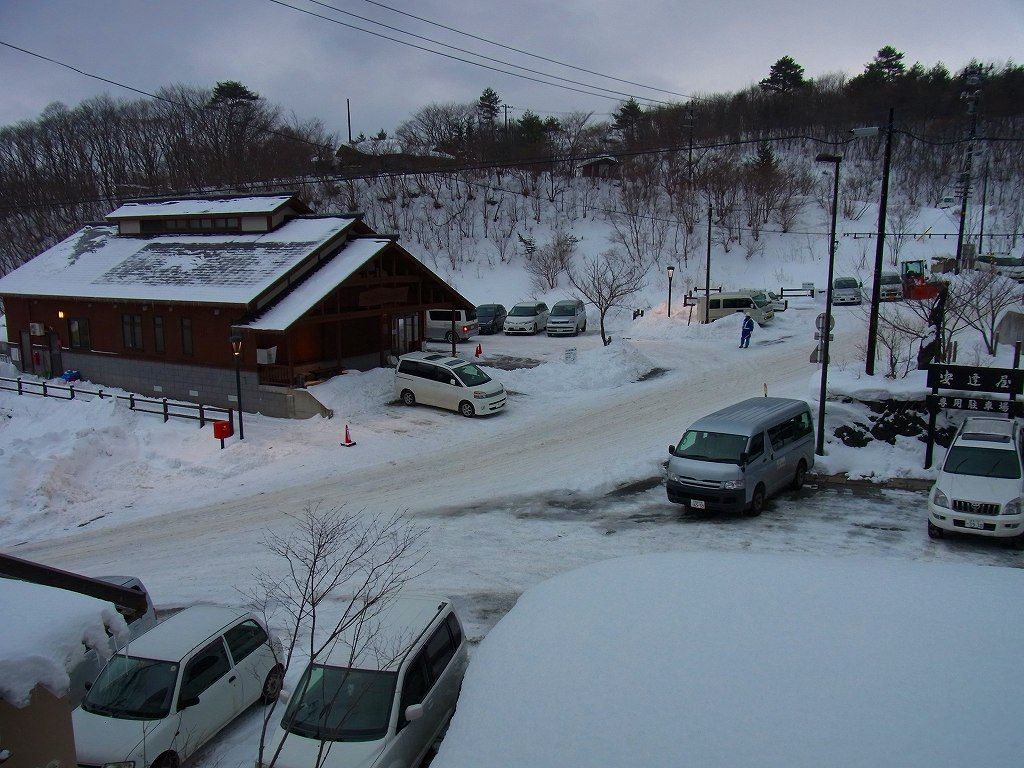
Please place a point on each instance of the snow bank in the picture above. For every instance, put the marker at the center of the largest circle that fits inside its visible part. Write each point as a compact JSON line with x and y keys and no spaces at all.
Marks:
{"x":356,"y":392}
{"x":748,"y":660}
{"x":44,"y":635}
{"x":601,"y":368}
{"x":857,"y":385}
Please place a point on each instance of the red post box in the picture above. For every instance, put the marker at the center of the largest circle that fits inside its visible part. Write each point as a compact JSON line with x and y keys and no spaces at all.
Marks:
{"x":222,"y":430}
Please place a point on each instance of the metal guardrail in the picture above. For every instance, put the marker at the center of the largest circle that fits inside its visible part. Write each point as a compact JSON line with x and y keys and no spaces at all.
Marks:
{"x":784,"y":292}
{"x":202,"y":413}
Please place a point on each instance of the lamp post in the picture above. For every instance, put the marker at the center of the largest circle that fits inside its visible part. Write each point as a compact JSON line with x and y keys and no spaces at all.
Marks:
{"x":236,"y":347}
{"x":707,"y":275}
{"x":876,"y":280}
{"x":671,"y":271}
{"x":826,"y":330}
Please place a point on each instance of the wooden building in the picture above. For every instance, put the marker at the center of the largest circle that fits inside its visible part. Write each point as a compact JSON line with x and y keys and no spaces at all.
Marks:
{"x":149,"y":299}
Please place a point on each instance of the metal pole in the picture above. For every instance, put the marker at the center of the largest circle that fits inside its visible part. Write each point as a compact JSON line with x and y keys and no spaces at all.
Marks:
{"x":348,"y":112}
{"x":238,"y":394}
{"x":876,"y":280}
{"x":965,"y":180}
{"x":670,"y":295}
{"x":707,"y":274}
{"x":984,"y":200}
{"x":689,"y":153}
{"x":826,"y":331}
{"x":454,"y":351}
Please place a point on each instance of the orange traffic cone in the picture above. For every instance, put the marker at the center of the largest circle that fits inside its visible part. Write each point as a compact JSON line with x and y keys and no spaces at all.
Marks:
{"x":479,"y":350}
{"x":348,"y":442}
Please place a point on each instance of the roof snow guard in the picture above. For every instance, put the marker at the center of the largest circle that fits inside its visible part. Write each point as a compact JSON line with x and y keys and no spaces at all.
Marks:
{"x":256,"y":205}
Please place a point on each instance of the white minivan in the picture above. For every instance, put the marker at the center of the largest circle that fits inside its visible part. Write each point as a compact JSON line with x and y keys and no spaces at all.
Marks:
{"x":379,"y":702}
{"x":979,"y":489}
{"x":447,"y":382}
{"x":441,"y":325}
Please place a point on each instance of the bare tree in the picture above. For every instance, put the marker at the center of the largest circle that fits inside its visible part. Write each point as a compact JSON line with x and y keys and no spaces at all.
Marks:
{"x":353,"y":562}
{"x":991,"y":296}
{"x":901,"y":215}
{"x":550,"y":261}
{"x":607,"y":281}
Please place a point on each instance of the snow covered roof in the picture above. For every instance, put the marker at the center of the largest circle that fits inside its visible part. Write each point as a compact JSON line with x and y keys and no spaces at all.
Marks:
{"x":96,"y":262}
{"x":379,"y":147}
{"x":724,"y":660}
{"x":228,"y":206}
{"x":305,"y":295}
{"x":601,"y":159}
{"x":44,"y":635}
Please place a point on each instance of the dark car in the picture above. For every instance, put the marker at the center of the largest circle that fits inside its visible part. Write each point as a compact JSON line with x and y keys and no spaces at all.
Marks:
{"x":491,"y":317}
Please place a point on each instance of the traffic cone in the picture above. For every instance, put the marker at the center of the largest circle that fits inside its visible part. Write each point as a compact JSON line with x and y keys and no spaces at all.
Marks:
{"x":348,"y":442}
{"x":479,"y":350}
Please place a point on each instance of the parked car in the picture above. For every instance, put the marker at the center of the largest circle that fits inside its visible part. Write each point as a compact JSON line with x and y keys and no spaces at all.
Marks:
{"x":567,"y":318}
{"x":138,"y":623}
{"x":175,"y":687}
{"x":1010,"y":266}
{"x":775,"y":301}
{"x":979,"y":489}
{"x":846,"y":290}
{"x":735,"y":458}
{"x":439,"y":324}
{"x":530,"y":317}
{"x":447,"y":382}
{"x":491,"y":317}
{"x":890,"y":287}
{"x":378,"y":704}
{"x":725,"y":304}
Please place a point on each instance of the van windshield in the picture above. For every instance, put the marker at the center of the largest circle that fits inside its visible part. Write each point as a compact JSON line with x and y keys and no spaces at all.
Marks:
{"x":471,"y":376}
{"x":890,"y":280}
{"x":711,"y":446}
{"x":563,"y":310}
{"x":845,"y":282}
{"x":131,"y":688}
{"x":341,"y":704}
{"x":487,"y":310}
{"x":523,"y":311}
{"x":982,"y":462}
{"x":760,"y":300}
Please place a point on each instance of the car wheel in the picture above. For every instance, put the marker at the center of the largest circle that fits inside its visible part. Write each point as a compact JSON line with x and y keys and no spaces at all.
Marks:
{"x":576,"y":331}
{"x":466,"y":409}
{"x":934,"y":532}
{"x":272,"y":685}
{"x":534,"y":329}
{"x":408,"y":398}
{"x":166,"y":760}
{"x":800,"y":476}
{"x":757,"y":501}
{"x":448,"y":338}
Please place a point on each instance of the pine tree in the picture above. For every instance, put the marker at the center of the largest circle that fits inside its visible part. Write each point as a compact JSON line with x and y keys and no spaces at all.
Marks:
{"x":530,"y":129}
{"x":229,"y":93}
{"x":529,"y":246}
{"x":785,"y":76}
{"x":487,"y":106}
{"x":628,"y":116}
{"x":887,"y":66}
{"x":381,"y":135}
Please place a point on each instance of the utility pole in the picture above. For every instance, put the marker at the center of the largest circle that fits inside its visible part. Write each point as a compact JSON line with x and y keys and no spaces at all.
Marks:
{"x":876,"y":281}
{"x":348,"y":112}
{"x":508,"y":136}
{"x":689,"y":151}
{"x":826,"y":329}
{"x":984,"y":200}
{"x":707,"y":274}
{"x":971,"y":97}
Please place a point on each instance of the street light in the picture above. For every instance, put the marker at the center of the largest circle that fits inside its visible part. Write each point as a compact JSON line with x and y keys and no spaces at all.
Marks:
{"x":671,"y":271}
{"x":707,"y":272}
{"x":236,"y":347}
{"x":826,"y":330}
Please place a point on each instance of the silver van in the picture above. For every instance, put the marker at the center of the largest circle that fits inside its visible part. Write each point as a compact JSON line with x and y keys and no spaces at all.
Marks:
{"x":734,"y":459}
{"x":567,"y":318}
{"x":846,"y":290}
{"x":439,"y":324}
{"x":754,"y":303}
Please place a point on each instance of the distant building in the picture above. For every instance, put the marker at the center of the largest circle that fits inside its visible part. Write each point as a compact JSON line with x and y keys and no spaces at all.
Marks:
{"x":148,"y":300}
{"x":603,"y":167}
{"x":387,"y":155}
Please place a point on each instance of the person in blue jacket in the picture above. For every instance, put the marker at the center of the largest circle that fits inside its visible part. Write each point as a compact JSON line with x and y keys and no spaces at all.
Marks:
{"x":748,"y":328}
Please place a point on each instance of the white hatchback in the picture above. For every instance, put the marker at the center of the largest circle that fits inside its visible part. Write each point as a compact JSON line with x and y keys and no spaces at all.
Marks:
{"x":381,"y":700}
{"x":175,"y":687}
{"x":979,"y":489}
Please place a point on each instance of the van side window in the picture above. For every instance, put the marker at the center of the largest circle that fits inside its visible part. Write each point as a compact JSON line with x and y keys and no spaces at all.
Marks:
{"x":803,"y":425}
{"x":244,"y":639}
{"x":439,"y":650}
{"x":756,"y":446}
{"x":777,"y":436}
{"x":716,"y":304}
{"x":736,"y":303}
{"x":414,"y":687}
{"x":441,"y":315}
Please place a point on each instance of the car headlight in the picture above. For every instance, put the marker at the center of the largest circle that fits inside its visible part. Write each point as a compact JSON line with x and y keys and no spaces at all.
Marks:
{"x":673,"y":477}
{"x":1013,"y":507}
{"x":939,"y":499}
{"x":123,"y":764}
{"x":732,"y":485}
{"x":480,"y":395}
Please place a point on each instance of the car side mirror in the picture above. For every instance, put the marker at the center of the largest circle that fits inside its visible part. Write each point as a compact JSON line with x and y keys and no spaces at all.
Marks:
{"x":413,"y":712}
{"x":744,"y":458}
{"x":671,"y":450}
{"x":88,"y":686}
{"x":189,"y":702}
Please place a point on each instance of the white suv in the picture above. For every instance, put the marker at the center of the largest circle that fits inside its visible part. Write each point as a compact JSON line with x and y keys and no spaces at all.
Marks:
{"x":979,"y":488}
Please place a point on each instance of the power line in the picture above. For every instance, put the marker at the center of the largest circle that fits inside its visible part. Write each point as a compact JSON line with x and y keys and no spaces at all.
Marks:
{"x":528,"y":53}
{"x":480,"y":55}
{"x":442,"y":53}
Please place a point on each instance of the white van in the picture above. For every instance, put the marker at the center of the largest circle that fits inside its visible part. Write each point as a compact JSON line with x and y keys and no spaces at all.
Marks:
{"x":979,"y":489}
{"x":439,"y":324}
{"x":754,"y":303}
{"x":733,"y":459}
{"x":447,"y":382}
{"x":379,"y":701}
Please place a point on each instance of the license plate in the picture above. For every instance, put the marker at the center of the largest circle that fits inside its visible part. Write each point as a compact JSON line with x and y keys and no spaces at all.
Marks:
{"x":696,"y":503}
{"x":976,"y":524}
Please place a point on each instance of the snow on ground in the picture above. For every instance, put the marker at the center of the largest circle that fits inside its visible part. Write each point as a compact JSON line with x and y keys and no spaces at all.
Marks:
{"x":743,"y":660}
{"x":45,"y":633}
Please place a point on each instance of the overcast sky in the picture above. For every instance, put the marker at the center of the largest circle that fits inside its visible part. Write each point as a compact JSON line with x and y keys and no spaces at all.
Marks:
{"x":309,"y":66}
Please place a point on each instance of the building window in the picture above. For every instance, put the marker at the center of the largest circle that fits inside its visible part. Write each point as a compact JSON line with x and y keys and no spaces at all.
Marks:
{"x":158,"y":335}
{"x":186,"y":336}
{"x":78,"y":331}
{"x":131,"y":326}
{"x":206,"y":224}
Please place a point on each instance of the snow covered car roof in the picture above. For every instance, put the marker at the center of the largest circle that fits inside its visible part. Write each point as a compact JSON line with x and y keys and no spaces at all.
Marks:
{"x":96,"y":262}
{"x":175,"y":637}
{"x":741,"y":660}
{"x":43,"y":636}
